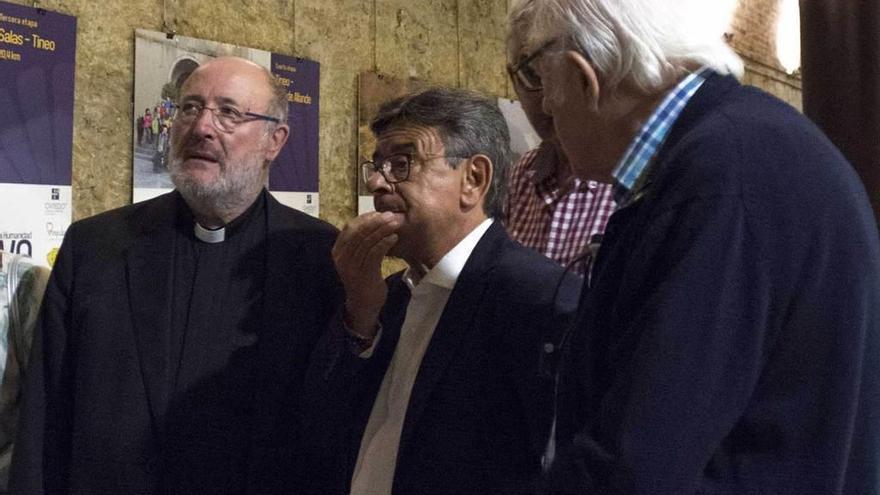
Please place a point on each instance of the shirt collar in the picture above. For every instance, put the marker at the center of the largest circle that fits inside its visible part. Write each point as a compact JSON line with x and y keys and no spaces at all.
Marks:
{"x":647,"y":142}
{"x":445,"y":273}
{"x":211,"y":236}
{"x":220,"y":234}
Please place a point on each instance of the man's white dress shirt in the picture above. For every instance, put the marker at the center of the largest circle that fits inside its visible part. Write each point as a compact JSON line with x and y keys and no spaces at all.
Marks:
{"x":377,"y":458}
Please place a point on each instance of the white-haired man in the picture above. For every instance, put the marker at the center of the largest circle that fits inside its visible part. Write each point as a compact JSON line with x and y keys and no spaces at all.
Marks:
{"x":728,"y":342}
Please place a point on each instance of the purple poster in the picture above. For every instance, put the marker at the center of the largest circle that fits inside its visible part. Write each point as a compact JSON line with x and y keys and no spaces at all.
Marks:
{"x":37,"y":59}
{"x":301,"y":78}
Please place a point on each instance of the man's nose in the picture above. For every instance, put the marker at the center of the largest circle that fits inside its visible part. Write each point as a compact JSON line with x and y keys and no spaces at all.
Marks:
{"x":377,"y":184}
{"x":204,"y":125}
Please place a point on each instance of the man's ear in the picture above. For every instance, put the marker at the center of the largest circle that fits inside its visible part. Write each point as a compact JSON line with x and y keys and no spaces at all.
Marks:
{"x":587,"y":75}
{"x":475,"y":181}
{"x":276,"y":139}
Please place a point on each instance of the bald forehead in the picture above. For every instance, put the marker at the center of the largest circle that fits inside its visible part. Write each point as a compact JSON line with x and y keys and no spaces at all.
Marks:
{"x":233,"y":64}
{"x":230,"y":79}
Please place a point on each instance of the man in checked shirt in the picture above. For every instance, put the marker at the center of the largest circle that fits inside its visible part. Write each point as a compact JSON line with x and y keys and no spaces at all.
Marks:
{"x":548,"y":209}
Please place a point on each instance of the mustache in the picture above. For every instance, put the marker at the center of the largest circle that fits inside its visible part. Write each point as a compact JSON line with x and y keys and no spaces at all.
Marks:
{"x":381,"y":205}
{"x":194,"y":147}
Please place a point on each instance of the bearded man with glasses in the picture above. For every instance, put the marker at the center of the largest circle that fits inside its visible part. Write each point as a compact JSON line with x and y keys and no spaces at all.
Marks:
{"x":428,"y":382}
{"x":175,"y":333}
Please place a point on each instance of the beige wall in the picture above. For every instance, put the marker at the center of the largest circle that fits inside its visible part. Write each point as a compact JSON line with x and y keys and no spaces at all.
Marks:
{"x":454,"y":42}
{"x":754,"y":38}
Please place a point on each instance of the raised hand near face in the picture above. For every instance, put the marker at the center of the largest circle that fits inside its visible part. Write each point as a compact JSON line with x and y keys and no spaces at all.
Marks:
{"x":358,"y":254}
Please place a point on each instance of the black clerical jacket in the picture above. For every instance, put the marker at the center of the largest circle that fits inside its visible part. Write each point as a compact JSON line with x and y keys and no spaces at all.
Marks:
{"x":98,"y":405}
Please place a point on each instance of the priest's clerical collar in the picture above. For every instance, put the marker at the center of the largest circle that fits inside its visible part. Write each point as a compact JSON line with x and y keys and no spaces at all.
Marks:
{"x":211,"y":236}
{"x":220,"y":234}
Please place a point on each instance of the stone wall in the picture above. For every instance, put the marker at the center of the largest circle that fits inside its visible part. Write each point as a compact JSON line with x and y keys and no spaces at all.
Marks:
{"x":754,"y":38}
{"x":454,"y":42}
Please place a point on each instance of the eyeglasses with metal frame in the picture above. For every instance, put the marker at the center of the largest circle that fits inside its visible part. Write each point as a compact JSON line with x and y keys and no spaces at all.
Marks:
{"x":225,"y":117}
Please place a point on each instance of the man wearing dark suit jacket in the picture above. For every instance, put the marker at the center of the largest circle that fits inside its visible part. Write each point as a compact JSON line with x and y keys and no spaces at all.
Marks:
{"x":730,"y":339}
{"x":430,"y":384}
{"x":175,"y":332}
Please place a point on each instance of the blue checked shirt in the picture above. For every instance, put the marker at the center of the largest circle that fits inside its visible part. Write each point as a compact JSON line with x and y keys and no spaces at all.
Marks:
{"x":646,"y":144}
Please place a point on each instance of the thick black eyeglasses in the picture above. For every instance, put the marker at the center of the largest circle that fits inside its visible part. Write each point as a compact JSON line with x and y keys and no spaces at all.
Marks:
{"x":394,"y":168}
{"x":225,"y":118}
{"x":523,"y":74}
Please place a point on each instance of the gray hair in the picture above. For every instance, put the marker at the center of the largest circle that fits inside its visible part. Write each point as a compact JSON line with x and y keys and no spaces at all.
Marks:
{"x":520,"y":19}
{"x":278,"y":105}
{"x":644,"y":44}
{"x":467,"y":123}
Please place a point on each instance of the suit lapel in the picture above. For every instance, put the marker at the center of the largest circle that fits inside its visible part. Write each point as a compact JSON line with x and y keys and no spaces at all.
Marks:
{"x":279,"y":292}
{"x":279,"y":352}
{"x":149,"y":266}
{"x":459,"y":318}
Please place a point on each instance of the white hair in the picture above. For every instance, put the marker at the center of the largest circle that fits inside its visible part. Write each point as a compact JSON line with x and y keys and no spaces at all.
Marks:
{"x":643,"y":44}
{"x":519,"y":19}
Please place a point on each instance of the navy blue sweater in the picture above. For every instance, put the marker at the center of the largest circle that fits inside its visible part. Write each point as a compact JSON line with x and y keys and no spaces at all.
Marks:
{"x":729,"y":343}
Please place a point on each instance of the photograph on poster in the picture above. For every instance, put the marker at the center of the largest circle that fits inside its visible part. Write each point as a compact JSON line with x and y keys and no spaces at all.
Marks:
{"x":37,"y":62}
{"x":163,"y":63}
{"x":374,"y":89}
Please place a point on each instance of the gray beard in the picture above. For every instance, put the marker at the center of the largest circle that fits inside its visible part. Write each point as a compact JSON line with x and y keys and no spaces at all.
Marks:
{"x":232,"y":192}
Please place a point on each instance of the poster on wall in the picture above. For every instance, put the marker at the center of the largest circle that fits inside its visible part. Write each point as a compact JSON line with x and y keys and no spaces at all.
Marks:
{"x":162,"y":63}
{"x":375,"y":89}
{"x":37,"y":60}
